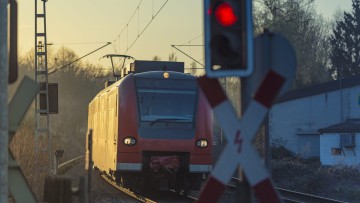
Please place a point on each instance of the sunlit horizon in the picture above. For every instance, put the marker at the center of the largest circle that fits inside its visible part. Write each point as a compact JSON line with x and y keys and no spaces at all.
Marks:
{"x":96,"y":23}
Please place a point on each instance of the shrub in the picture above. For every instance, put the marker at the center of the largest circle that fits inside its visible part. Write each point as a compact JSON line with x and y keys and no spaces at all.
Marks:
{"x":281,"y":153}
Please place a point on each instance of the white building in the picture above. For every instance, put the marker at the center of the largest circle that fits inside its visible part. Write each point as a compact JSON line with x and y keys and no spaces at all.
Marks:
{"x":316,"y":121}
{"x":340,"y":144}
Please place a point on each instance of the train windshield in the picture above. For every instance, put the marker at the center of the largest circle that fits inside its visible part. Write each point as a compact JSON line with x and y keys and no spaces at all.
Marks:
{"x":162,"y":100}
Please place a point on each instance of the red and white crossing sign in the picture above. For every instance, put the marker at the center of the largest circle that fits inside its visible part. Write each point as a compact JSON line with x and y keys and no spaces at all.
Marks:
{"x":240,"y":133}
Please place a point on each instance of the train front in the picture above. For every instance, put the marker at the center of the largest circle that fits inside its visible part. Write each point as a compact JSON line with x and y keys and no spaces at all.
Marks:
{"x":174,"y":138}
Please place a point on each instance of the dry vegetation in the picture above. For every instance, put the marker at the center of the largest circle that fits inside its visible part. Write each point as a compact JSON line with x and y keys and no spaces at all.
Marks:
{"x":308,"y":176}
{"x":78,"y":84}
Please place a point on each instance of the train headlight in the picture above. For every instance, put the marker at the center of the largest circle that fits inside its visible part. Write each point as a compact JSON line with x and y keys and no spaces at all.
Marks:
{"x":202,"y":143}
{"x":166,"y":75}
{"x":129,"y":141}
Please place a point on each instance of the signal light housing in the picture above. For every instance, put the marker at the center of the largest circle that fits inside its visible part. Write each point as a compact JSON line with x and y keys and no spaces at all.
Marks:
{"x":225,"y":15}
{"x":228,"y":38}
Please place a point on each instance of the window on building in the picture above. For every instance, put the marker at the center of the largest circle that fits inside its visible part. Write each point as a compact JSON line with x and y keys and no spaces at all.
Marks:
{"x":347,"y":140}
{"x":336,"y":151}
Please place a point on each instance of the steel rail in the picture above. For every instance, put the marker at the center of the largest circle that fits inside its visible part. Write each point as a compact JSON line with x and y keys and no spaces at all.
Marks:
{"x":140,"y":197}
{"x":191,"y":198}
{"x":127,"y":191}
{"x":297,"y":197}
{"x":66,"y":166}
{"x":303,"y":197}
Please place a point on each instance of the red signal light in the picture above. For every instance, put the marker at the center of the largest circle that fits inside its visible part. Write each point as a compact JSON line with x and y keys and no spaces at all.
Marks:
{"x":225,"y":15}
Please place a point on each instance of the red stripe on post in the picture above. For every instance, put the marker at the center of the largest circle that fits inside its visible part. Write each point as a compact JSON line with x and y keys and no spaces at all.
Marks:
{"x":212,"y":191}
{"x":212,"y":90}
{"x":269,"y":88}
{"x":265,"y":192}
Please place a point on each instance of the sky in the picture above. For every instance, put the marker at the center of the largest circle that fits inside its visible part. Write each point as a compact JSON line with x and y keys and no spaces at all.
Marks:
{"x":85,"y":25}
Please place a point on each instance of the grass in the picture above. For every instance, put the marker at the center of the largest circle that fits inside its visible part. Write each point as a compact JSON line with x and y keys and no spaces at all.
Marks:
{"x":22,"y":147}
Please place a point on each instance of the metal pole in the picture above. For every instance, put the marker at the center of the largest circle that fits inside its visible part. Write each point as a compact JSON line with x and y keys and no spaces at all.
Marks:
{"x":243,"y":189}
{"x":56,"y":164}
{"x":4,"y":154}
{"x":90,"y":165}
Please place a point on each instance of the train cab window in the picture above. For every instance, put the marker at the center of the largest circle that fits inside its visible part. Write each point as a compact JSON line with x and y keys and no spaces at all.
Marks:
{"x":166,"y":101}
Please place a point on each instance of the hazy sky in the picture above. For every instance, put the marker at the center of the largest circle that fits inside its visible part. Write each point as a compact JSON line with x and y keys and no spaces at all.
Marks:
{"x":84,"y":25}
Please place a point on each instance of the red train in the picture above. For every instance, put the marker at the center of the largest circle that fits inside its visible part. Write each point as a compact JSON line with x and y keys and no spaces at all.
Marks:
{"x":152,"y":129}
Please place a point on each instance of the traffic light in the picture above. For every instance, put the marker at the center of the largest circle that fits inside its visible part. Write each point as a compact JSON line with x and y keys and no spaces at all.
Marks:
{"x":228,"y":38}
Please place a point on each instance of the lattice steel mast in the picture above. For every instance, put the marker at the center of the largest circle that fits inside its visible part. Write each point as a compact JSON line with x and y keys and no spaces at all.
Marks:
{"x":42,"y":134}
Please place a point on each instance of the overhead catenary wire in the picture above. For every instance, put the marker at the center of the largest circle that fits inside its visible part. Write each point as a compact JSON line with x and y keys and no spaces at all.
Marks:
{"x":195,"y":38}
{"x":73,"y":43}
{"x":127,"y":27}
{"x":108,"y":43}
{"x":174,"y":46}
{"x":127,"y":24}
{"x":129,"y":45}
{"x":187,"y":44}
{"x":189,"y":67}
{"x":151,"y":20}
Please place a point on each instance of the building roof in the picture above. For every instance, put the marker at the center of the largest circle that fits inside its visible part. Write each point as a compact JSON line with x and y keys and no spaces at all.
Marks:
{"x":346,"y":127}
{"x":320,"y":89}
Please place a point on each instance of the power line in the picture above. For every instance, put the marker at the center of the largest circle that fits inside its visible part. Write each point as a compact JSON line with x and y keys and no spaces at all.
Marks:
{"x":74,"y":43}
{"x":193,"y":39}
{"x":187,"y":44}
{"x":152,"y":19}
{"x":174,"y":46}
{"x":126,"y":27}
{"x":108,"y":43}
{"x":190,"y":45}
{"x":127,"y":24}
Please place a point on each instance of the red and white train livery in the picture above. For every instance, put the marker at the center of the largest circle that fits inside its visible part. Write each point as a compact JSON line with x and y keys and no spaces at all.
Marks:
{"x":152,"y":129}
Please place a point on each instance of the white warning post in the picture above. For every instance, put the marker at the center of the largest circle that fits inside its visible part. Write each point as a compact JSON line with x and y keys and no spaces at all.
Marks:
{"x":240,"y":133}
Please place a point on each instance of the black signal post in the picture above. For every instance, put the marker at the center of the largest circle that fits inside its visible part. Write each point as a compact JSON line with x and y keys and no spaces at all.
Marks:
{"x":13,"y":34}
{"x":228,"y":38}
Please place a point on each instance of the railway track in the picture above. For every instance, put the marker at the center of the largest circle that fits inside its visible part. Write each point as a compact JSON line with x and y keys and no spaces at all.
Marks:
{"x":66,"y":166}
{"x":296,"y":197}
{"x":287,"y":195}
{"x":162,"y":197}
{"x":127,"y":192}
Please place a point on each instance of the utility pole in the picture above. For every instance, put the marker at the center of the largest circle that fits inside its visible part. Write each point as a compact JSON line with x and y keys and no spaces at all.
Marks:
{"x":42,"y":134}
{"x":4,"y":139}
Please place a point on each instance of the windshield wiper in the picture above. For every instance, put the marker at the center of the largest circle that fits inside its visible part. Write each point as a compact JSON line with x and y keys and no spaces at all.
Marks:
{"x":167,"y":119}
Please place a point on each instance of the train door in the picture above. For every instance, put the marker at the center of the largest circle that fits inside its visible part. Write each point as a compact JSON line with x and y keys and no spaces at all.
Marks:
{"x":111,"y":153}
{"x":102,"y":134}
{"x":115,"y":123}
{"x":106,"y":131}
{"x":96,"y":133}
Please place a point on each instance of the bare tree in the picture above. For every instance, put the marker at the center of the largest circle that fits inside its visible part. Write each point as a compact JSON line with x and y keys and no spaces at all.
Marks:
{"x":172,"y":57}
{"x":63,"y":57}
{"x":193,"y":68}
{"x":298,"y":21}
{"x":156,"y":58}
